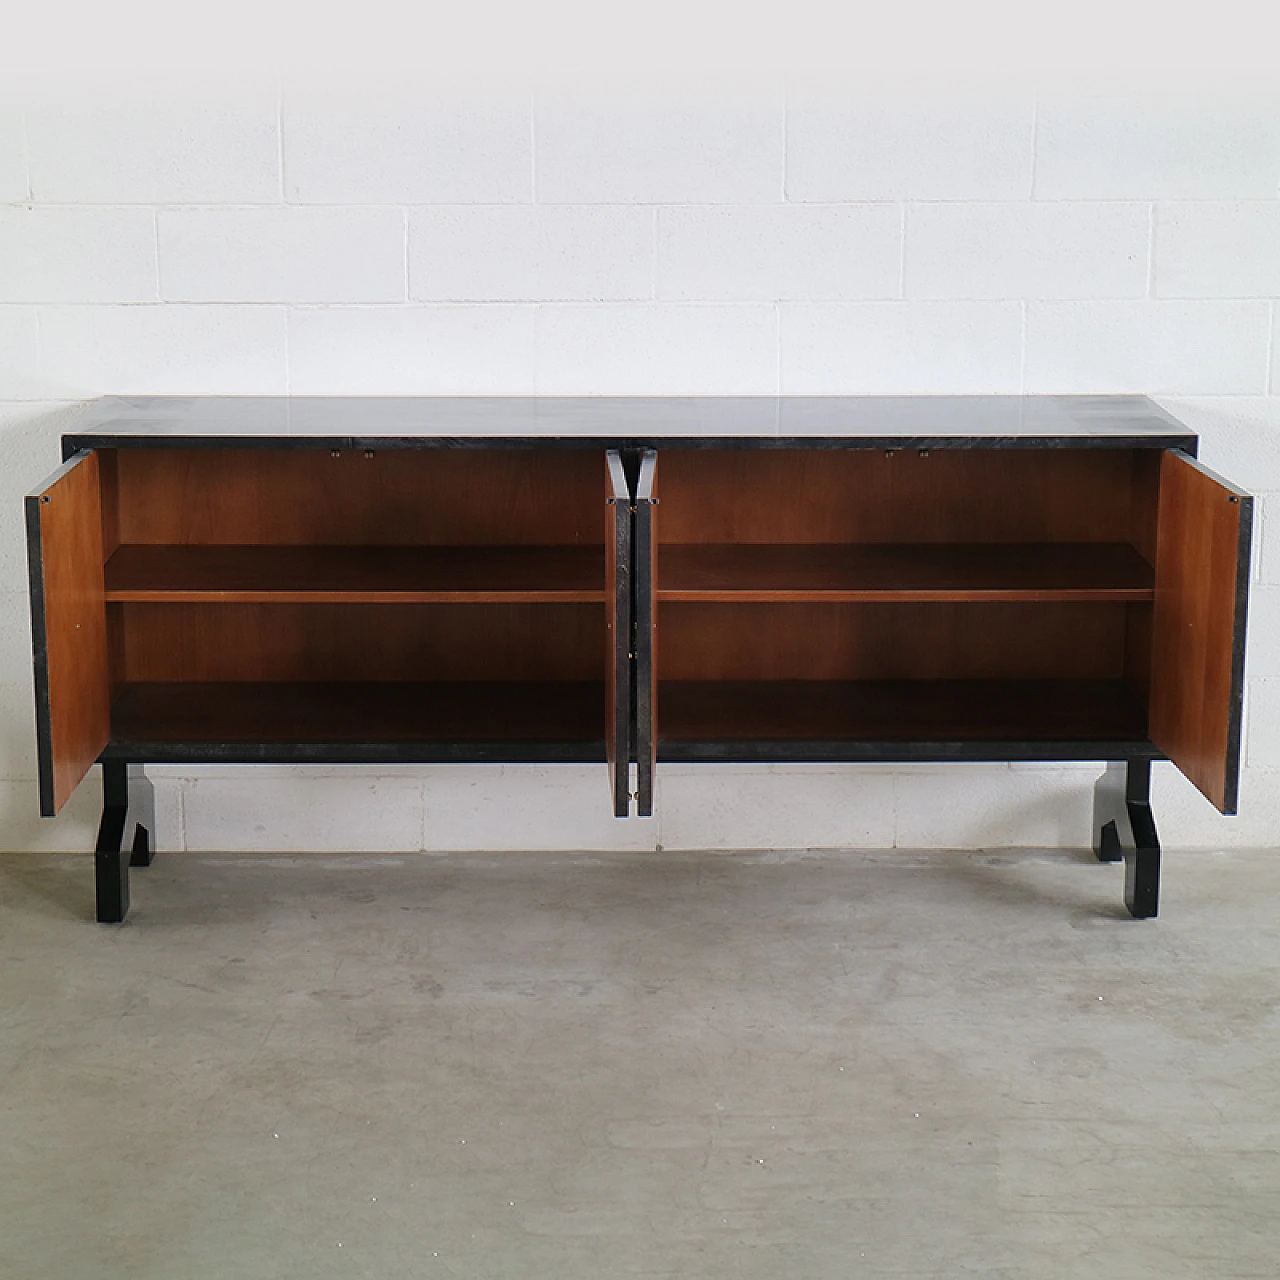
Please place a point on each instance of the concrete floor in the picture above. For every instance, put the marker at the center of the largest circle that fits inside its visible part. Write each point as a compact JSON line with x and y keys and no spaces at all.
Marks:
{"x":651,"y":1065}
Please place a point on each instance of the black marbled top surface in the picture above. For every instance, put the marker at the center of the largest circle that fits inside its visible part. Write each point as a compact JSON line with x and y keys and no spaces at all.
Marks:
{"x":859,"y":422}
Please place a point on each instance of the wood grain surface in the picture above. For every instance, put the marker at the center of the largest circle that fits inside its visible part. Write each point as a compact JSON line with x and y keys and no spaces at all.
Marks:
{"x":902,"y":710}
{"x":388,"y":575}
{"x":1197,"y":629}
{"x":906,"y":495}
{"x":906,"y":572}
{"x":73,"y":678}
{"x":890,"y":641}
{"x":362,"y":642}
{"x":359,"y":711}
{"x":310,"y":497}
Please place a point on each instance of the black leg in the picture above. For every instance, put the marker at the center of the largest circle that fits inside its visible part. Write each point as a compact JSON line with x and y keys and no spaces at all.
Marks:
{"x":142,"y":813}
{"x":1124,"y":827}
{"x":128,"y":814}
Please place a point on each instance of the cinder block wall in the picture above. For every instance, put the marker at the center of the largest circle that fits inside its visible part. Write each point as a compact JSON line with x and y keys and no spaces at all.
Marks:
{"x":753,"y":234}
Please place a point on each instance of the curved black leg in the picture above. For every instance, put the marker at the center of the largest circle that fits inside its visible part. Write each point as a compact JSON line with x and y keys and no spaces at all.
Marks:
{"x":142,"y":813}
{"x":1124,"y":827}
{"x":128,"y":813}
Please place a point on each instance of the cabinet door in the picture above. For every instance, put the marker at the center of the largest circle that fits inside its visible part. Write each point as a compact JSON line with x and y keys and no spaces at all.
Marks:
{"x":1197,"y":641}
{"x":68,"y":627}
{"x":646,"y":633}
{"x":618,"y":586}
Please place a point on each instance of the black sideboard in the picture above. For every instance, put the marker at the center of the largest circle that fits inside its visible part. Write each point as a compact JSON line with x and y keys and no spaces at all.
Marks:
{"x":627,"y":581}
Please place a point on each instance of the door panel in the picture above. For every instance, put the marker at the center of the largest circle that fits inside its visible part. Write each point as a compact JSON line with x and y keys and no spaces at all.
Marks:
{"x":646,"y":633}
{"x":1198,"y":625}
{"x":68,"y":627}
{"x":617,"y":542}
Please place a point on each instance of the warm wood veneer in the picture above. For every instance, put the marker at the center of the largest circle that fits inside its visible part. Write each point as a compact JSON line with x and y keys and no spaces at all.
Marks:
{"x":899,"y":710}
{"x":903,"y":572}
{"x":369,"y":575}
{"x":341,"y":712}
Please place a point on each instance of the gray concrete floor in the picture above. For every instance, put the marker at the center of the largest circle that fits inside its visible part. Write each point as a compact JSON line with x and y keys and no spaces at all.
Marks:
{"x":715,"y":1065}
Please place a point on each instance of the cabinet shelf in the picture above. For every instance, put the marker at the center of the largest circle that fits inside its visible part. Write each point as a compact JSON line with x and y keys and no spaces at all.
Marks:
{"x":349,"y":574}
{"x":918,"y":711}
{"x":903,"y":572}
{"x":566,"y":716}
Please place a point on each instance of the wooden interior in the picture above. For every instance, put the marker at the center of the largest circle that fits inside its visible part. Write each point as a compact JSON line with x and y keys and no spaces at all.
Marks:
{"x":904,"y":572}
{"x":907,"y":496}
{"x":1197,"y":625}
{"x":901,"y":710}
{"x":505,"y":711}
{"x":375,"y":642}
{"x":315,"y":497}
{"x":969,"y":593}
{"x":891,"y":641}
{"x":73,"y":683}
{"x":484,"y":596}
{"x":269,"y":594}
{"x":358,"y":575}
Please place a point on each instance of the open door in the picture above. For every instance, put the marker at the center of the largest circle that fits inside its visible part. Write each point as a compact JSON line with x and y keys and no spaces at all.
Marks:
{"x":617,"y":542}
{"x":646,"y":637}
{"x":1197,"y":643}
{"x":68,"y":627}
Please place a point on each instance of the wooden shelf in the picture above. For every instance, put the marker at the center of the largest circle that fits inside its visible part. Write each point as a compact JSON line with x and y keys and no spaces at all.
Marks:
{"x":367,"y":575}
{"x":903,"y":572}
{"x":565,"y":712}
{"x":899,"y":710}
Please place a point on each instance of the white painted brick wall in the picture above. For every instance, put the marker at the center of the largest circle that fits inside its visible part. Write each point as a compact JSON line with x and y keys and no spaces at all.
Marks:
{"x":848,"y":143}
{"x":784,"y":252}
{"x":282,"y":254}
{"x":685,"y":348}
{"x":890,"y":348}
{"x":1174,"y":348}
{"x":1208,"y":249}
{"x":458,"y":350}
{"x":1159,"y":145}
{"x":406,"y":142}
{"x":77,"y":254}
{"x":659,"y":141}
{"x":172,"y":349}
{"x":554,"y":806}
{"x":1027,"y":250}
{"x":19,"y":352}
{"x":534,"y":253}
{"x":121,"y":142}
{"x":669,"y":235}
{"x":13,"y":156}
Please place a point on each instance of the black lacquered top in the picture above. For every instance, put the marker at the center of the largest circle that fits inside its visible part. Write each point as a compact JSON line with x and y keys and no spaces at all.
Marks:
{"x":858,"y":422}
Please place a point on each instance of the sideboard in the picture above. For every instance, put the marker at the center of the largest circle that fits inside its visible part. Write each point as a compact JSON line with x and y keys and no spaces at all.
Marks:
{"x":628,"y":581}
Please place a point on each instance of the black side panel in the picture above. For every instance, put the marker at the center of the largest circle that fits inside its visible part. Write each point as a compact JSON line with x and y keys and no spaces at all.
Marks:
{"x":40,"y":658}
{"x":618,"y":664}
{"x":645,"y":629}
